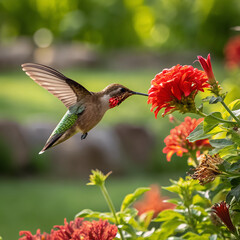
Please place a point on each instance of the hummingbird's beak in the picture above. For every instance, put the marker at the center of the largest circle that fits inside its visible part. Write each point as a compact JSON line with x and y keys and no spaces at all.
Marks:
{"x":138,"y":93}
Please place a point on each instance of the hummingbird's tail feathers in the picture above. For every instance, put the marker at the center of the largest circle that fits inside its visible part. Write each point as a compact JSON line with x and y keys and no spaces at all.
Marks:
{"x":51,"y":141}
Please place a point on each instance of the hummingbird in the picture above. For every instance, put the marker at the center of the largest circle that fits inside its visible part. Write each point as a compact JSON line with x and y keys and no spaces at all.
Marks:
{"x":85,"y":108}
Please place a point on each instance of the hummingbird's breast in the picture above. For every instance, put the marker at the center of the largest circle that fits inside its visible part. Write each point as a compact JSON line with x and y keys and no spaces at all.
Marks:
{"x":95,"y":108}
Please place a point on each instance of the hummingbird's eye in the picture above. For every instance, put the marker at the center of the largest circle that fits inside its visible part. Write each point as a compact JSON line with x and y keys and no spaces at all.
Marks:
{"x":122,"y":90}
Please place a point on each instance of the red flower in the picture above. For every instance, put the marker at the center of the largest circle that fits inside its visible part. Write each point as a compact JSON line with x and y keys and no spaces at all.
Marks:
{"x":222,"y":211}
{"x":207,"y":67}
{"x":176,"y":88}
{"x":153,"y":201}
{"x":37,"y":236}
{"x":94,"y":230}
{"x":66,"y":231}
{"x":232,"y":52}
{"x":178,"y":143}
{"x":76,"y":230}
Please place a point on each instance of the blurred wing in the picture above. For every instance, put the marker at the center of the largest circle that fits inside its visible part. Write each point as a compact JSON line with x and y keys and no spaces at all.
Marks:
{"x":65,"y":89}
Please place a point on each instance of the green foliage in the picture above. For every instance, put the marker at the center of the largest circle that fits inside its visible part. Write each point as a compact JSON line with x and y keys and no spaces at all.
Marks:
{"x":125,"y":23}
{"x":223,"y":131}
{"x":191,"y":219}
{"x":125,"y":219}
{"x":130,"y":198}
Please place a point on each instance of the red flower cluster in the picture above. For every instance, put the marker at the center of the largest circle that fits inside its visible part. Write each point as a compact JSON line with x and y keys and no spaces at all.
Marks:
{"x":232,"y":52}
{"x":153,"y":201}
{"x":76,"y":230}
{"x":178,"y":143}
{"x":176,"y":88}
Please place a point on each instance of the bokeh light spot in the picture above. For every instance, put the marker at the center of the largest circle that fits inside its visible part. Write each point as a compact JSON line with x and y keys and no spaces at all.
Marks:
{"x":143,"y":21}
{"x":133,"y":3}
{"x":160,"y":33}
{"x":43,"y":37}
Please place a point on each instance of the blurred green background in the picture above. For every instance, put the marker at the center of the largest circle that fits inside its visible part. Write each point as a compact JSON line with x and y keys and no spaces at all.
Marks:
{"x":95,"y":42}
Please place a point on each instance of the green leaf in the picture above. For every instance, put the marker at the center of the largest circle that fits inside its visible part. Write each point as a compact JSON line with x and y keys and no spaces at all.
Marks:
{"x":211,"y":121}
{"x":130,"y":229}
{"x":235,"y":166}
{"x":235,"y":105}
{"x":235,"y":137}
{"x":214,"y":100}
{"x":220,"y":187}
{"x":130,"y":198}
{"x":221,"y":143}
{"x":235,"y":192}
{"x":88,"y":213}
{"x":225,"y":166}
{"x":206,"y":99}
{"x":146,"y":218}
{"x":176,"y":201}
{"x":225,"y":152}
{"x":172,"y":188}
{"x":198,"y":134}
{"x":168,"y":228}
{"x":194,"y":236}
{"x":167,"y":215}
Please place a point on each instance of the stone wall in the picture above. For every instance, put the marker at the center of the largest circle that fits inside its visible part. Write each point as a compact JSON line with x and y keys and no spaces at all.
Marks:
{"x":118,"y":148}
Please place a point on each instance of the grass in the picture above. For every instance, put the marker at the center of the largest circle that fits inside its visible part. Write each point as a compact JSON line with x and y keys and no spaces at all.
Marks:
{"x":35,"y":203}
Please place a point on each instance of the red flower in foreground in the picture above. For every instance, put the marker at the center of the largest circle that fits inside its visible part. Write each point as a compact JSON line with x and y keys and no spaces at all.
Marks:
{"x":76,"y":230}
{"x":176,"y":88}
{"x":66,"y":231}
{"x":232,"y":52}
{"x":37,"y":236}
{"x":178,"y":143}
{"x":222,"y":211}
{"x":94,"y":230}
{"x":153,"y":201}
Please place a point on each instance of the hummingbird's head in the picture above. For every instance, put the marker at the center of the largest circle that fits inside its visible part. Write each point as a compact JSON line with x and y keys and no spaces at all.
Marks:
{"x":117,"y":93}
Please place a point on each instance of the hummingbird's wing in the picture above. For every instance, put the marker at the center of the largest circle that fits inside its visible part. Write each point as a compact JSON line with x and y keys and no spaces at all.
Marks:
{"x":65,"y":89}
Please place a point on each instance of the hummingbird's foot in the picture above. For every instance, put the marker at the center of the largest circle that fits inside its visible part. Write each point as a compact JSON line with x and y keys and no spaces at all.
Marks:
{"x":84,"y":136}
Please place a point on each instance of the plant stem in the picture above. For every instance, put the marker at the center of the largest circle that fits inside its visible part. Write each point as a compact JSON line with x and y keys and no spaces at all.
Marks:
{"x":195,"y":161}
{"x":193,"y":156}
{"x":111,"y":206}
{"x":201,"y":113}
{"x":191,"y":220}
{"x":230,"y":112}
